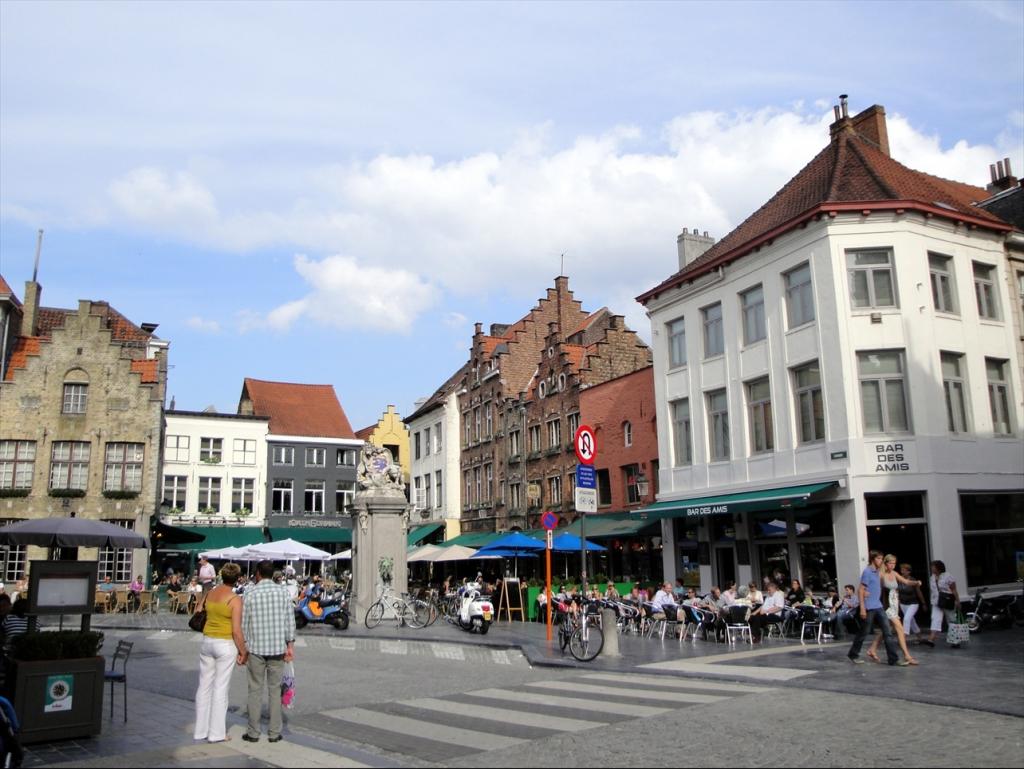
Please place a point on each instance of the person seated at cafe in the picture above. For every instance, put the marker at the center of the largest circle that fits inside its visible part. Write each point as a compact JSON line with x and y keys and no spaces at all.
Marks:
{"x":848,"y":610}
{"x":769,"y":612}
{"x":729,"y":595}
{"x":795,"y":596}
{"x":742,"y":596}
{"x":173,"y":583}
{"x":663,"y":599}
{"x":135,"y":588}
{"x":194,"y":587}
{"x":611,"y":593}
{"x":692,"y":599}
{"x":679,"y":590}
{"x":542,"y":606}
{"x":755,"y":596}
{"x":106,"y":585}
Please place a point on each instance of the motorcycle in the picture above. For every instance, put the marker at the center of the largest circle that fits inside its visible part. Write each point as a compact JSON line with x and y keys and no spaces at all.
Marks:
{"x":983,"y":612}
{"x":332,"y":611}
{"x":475,"y":611}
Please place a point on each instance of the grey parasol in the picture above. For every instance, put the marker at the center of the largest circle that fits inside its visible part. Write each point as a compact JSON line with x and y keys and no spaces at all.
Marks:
{"x":70,"y":532}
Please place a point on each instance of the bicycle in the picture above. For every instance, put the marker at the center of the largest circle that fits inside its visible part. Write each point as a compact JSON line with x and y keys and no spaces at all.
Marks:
{"x":411,"y":612}
{"x":578,"y":631}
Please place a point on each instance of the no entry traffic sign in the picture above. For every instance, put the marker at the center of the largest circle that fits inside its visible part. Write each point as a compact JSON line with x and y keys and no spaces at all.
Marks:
{"x":586,"y":445}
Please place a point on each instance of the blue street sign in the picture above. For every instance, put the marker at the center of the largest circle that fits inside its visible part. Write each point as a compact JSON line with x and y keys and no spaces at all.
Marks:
{"x":586,"y":477}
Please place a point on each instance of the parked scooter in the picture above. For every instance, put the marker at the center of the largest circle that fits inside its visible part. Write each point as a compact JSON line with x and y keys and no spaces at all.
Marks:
{"x":331,"y":610}
{"x":475,"y":611}
{"x":994,"y":612}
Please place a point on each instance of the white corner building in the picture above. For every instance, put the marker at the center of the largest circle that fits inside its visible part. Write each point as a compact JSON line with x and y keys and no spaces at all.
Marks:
{"x":838,"y":374}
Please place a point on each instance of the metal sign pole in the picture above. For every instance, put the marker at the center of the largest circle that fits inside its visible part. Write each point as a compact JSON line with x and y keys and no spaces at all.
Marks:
{"x":547,"y":604}
{"x":583,"y":551}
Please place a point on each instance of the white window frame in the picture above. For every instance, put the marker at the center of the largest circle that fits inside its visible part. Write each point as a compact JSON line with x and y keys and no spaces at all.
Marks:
{"x":555,"y":490}
{"x":76,"y":398}
{"x":714,"y":330}
{"x":345,"y":458}
{"x":799,"y":296}
{"x":627,"y":433}
{"x":985,"y":291}
{"x":755,"y":327}
{"x":488,"y":420}
{"x":344,"y":495}
{"x":426,"y":441}
{"x":417,"y":493}
{"x":17,"y":464}
{"x":535,"y":438}
{"x":316,"y":456}
{"x":210,"y":488}
{"x":427,"y":493}
{"x":282,"y":491}
{"x":676,"y":330}
{"x":514,"y":444}
{"x":999,"y":397}
{"x":122,"y":467}
{"x":954,"y":386}
{"x":243,"y":451}
{"x":759,"y":413}
{"x":478,"y":485}
{"x":211,"y":450}
{"x":438,"y":493}
{"x":488,"y":482}
{"x":417,"y":445}
{"x":881,"y":383}
{"x":283,"y":456}
{"x":116,"y":562}
{"x":573,"y":421}
{"x":719,"y":444}
{"x":437,"y":438}
{"x":243,"y":494}
{"x":943,"y":282}
{"x":314,"y":497}
{"x":682,"y":433}
{"x":871,"y":272}
{"x":809,"y":397}
{"x":175,"y":491}
{"x":176,"y":448}
{"x":515,"y":496}
{"x":69,"y":464}
{"x":554,"y":433}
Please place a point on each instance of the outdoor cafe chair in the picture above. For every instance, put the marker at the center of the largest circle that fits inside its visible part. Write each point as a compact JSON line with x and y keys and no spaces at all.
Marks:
{"x":737,"y":624}
{"x":123,"y":651}
{"x":810,"y":619}
{"x":146,"y":602}
{"x":101,"y":601}
{"x":120,"y":601}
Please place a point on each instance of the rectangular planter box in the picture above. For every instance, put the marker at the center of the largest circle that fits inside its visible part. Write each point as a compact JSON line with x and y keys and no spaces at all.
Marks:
{"x":85,"y":716}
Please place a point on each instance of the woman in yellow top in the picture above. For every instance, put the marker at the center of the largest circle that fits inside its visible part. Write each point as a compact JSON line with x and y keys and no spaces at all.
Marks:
{"x":223,"y":647}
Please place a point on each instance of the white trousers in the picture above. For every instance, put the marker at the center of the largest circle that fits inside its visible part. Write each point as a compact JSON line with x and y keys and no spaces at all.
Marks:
{"x":216,"y":659}
{"x":909,"y":611}
{"x":938,"y":615}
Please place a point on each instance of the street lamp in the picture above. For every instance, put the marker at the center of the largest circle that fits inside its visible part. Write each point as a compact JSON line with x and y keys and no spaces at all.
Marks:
{"x":642,"y":485}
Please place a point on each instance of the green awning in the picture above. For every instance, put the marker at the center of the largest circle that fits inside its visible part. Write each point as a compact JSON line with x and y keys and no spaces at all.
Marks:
{"x":766,"y":500}
{"x":216,"y":537}
{"x":609,"y":525}
{"x":311,"y":536}
{"x":473,"y":539}
{"x":420,"y":533}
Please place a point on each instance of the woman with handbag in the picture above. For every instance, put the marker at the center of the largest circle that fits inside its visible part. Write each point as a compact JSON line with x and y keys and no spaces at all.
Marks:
{"x":223,"y":646}
{"x":891,"y":581}
{"x":945,"y":601}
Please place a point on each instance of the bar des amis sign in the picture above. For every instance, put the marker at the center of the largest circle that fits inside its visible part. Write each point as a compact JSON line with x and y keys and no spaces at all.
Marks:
{"x":890,"y":457}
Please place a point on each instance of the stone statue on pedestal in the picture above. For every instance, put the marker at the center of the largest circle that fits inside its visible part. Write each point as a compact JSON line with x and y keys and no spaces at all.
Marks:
{"x":381,"y":513}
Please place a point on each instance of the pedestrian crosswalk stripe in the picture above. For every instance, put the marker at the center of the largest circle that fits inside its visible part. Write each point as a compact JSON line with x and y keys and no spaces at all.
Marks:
{"x":448,"y":651}
{"x":663,"y":682}
{"x":595,"y":706}
{"x":286,"y":754}
{"x":515,"y":717}
{"x":762,"y":673}
{"x":614,"y":691}
{"x":420,"y":729}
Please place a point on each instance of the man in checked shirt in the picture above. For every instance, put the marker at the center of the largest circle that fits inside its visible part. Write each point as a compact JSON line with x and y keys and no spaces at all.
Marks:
{"x":268,"y":623}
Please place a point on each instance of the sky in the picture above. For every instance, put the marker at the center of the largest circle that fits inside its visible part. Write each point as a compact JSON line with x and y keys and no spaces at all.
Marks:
{"x":335,"y":192}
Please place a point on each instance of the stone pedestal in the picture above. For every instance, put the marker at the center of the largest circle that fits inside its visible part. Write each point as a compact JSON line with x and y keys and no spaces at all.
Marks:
{"x":380,"y":527}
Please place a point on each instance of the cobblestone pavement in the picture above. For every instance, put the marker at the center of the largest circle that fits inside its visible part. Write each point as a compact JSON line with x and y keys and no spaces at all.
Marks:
{"x":442,"y":697}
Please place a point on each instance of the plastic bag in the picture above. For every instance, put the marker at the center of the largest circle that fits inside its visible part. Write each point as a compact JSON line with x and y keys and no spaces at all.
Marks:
{"x":959,"y":632}
{"x":288,"y":685}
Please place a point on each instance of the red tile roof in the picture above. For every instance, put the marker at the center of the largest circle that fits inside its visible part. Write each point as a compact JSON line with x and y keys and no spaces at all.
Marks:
{"x":298,"y":409}
{"x":24,"y":346}
{"x":850,"y":174}
{"x":366,"y":432}
{"x":148,"y":368}
{"x":5,"y":288}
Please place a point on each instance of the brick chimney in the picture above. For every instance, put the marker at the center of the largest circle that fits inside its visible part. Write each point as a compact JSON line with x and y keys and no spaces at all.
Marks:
{"x":1002,"y":177}
{"x":691,"y":245}
{"x":30,"y":308}
{"x":870,"y":125}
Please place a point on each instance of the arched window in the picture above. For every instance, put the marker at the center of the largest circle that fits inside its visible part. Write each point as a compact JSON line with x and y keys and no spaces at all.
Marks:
{"x":627,"y":433}
{"x":542,"y":388}
{"x":561,"y":381}
{"x":76,"y":392}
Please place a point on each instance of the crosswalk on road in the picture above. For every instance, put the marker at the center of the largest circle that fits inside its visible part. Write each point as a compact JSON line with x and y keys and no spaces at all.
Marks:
{"x":443,"y":729}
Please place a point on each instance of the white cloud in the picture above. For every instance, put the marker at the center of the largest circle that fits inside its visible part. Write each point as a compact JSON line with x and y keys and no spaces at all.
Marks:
{"x":455,"y":320}
{"x":407,"y":229}
{"x":149,"y":196}
{"x":346,"y":295}
{"x":203,"y":325}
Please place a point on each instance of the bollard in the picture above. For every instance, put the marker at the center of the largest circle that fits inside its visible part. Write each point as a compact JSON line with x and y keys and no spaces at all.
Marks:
{"x":611,"y":634}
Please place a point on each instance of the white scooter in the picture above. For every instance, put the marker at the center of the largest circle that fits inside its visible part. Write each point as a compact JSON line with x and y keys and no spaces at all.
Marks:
{"x":475,"y":610}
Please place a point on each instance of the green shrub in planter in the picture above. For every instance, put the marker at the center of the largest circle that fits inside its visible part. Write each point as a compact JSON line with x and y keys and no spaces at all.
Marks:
{"x":14,"y":492}
{"x":120,"y":494}
{"x":57,"y":645}
{"x":67,"y":492}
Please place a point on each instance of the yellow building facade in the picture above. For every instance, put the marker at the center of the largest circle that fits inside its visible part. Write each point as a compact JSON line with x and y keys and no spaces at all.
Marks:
{"x":390,"y":433}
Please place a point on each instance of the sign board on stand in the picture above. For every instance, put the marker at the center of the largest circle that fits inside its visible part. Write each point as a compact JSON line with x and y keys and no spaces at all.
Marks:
{"x":586,"y":477}
{"x":586,"y":500}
